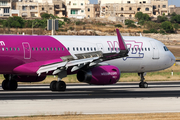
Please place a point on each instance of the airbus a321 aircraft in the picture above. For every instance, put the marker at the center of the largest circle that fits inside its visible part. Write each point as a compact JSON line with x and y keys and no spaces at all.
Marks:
{"x":96,"y":60}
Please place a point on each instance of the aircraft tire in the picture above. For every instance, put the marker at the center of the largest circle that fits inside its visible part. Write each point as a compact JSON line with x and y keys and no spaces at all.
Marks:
{"x":143,"y":85}
{"x":5,"y":84}
{"x":53,"y":85}
{"x":60,"y":86}
{"x":12,"y":85}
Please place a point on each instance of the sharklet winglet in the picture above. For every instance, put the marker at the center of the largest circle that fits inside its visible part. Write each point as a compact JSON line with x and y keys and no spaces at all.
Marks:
{"x":122,"y":44}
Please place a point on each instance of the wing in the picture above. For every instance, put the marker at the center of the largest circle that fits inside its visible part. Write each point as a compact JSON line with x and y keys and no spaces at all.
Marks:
{"x":90,"y":59}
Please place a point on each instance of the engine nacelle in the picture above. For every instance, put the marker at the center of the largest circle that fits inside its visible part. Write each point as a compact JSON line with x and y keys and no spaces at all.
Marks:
{"x":100,"y":75}
{"x":24,"y":78}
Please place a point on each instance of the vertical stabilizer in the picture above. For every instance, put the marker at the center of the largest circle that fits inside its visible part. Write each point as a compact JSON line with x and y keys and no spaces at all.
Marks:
{"x":122,"y":44}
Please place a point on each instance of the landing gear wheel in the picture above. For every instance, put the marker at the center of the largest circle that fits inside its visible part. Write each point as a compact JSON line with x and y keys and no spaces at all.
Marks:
{"x":60,"y":86}
{"x":143,"y":85}
{"x":5,"y":84}
{"x":53,"y":85}
{"x":12,"y":85}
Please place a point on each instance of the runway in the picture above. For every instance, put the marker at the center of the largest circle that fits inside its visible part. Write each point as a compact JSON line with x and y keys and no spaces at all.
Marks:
{"x":91,"y":99}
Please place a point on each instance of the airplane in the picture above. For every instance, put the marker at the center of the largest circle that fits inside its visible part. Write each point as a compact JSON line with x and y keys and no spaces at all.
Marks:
{"x":97,"y":60}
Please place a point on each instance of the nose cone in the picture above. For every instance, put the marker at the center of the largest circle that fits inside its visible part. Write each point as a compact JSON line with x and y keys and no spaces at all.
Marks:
{"x":172,"y":59}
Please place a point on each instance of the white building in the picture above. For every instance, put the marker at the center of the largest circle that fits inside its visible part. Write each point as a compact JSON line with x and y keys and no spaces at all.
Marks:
{"x":76,"y":8}
{"x":5,"y":8}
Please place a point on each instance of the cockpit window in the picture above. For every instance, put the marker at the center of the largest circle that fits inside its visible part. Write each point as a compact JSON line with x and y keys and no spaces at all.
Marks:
{"x":165,"y":48}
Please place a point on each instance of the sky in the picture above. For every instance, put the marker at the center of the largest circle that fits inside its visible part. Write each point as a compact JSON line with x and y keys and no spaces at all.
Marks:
{"x":170,"y":2}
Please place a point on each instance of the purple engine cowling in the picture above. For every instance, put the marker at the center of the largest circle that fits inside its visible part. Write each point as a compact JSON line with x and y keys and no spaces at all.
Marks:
{"x":100,"y":75}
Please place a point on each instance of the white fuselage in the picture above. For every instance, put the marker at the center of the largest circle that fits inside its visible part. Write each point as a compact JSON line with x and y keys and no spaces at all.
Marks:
{"x":145,"y":54}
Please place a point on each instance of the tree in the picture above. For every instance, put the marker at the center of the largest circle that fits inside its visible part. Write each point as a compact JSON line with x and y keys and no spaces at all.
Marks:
{"x":45,"y":16}
{"x":14,"y":22}
{"x":142,"y":17}
{"x":130,"y":23}
{"x":175,"y":19}
{"x":176,"y":26}
{"x":139,"y":15}
{"x":173,"y":14}
{"x":152,"y":25}
{"x":167,"y":26}
{"x":161,"y":19}
{"x":146,"y":17}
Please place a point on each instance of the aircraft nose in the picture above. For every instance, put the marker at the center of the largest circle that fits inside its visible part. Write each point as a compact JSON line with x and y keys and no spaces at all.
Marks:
{"x":172,"y":58}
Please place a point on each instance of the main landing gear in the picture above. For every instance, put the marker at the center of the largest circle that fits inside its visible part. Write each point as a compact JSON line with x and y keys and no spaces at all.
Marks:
{"x":9,"y":83}
{"x":142,"y":84}
{"x":57,"y":86}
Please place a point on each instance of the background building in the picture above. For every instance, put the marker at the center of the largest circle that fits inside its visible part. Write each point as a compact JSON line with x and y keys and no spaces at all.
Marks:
{"x":76,"y":8}
{"x":173,"y":8}
{"x":128,"y":8}
{"x":5,"y":7}
{"x":34,"y":8}
{"x":92,"y":10}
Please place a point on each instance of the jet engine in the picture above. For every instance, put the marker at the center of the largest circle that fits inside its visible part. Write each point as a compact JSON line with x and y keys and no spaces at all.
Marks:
{"x":100,"y":75}
{"x":24,"y":78}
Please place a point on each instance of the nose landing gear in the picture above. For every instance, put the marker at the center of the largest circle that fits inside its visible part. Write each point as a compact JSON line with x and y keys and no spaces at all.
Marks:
{"x":142,"y":84}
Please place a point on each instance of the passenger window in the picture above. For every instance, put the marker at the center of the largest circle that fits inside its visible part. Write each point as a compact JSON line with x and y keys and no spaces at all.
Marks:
{"x":77,"y":49}
{"x":40,"y":49}
{"x":55,"y":49}
{"x":62,"y":49}
{"x":84,"y":49}
{"x":58,"y":49}
{"x":148,"y":49}
{"x":108,"y":49}
{"x":36,"y":49}
{"x":10,"y":49}
{"x":139,"y":49}
{"x":47,"y":49}
{"x":44,"y":48}
{"x":132,"y":49}
{"x":111,"y":49}
{"x":32,"y":49}
{"x":91,"y":49}
{"x":80,"y":48}
{"x":142,"y":49}
{"x":73,"y":49}
{"x":51,"y":49}
{"x":14,"y":49}
{"x":94,"y":49}
{"x":18,"y":49}
{"x":2,"y":49}
{"x":136,"y":49}
{"x":87,"y":49}
{"x":6,"y":49}
{"x":145,"y":49}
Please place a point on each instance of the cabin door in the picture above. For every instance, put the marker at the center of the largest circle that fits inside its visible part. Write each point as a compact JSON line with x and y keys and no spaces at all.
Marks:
{"x":27,"y":50}
{"x":155,"y":50}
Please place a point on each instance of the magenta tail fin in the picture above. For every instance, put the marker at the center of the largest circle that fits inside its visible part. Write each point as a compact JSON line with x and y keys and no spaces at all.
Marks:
{"x":122,"y":44}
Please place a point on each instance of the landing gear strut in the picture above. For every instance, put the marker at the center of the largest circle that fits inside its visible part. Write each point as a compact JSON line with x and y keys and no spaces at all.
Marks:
{"x":142,"y":84}
{"x":9,"y":83}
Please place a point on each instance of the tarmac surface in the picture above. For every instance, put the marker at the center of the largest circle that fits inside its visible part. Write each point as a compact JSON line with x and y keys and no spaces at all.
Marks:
{"x":91,"y":99}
